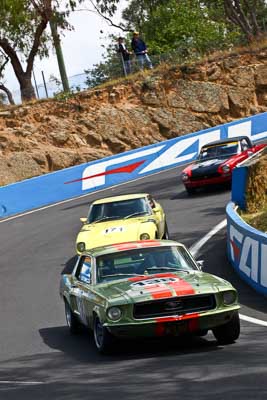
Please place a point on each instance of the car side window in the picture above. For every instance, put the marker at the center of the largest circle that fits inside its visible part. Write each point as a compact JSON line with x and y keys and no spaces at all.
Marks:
{"x":151,"y":201}
{"x":84,"y":270}
{"x":244,"y":145}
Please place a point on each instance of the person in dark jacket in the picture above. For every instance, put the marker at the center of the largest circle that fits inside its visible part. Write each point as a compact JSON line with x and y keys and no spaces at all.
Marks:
{"x":140,"y":50}
{"x":125,"y":55}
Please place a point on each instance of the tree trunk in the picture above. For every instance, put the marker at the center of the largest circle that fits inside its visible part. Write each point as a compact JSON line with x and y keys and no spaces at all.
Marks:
{"x":8,"y":93}
{"x":26,"y":88}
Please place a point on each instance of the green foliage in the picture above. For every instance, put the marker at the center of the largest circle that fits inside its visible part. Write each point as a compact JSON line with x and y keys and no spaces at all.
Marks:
{"x":248,"y":16}
{"x":185,"y":26}
{"x":109,"y":68}
{"x":18,"y":21}
{"x":173,"y":31}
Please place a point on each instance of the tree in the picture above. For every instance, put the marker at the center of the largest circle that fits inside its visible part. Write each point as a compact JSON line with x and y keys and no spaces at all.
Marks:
{"x":248,"y":15}
{"x":3,"y":62}
{"x":22,"y":33}
{"x":181,"y":26}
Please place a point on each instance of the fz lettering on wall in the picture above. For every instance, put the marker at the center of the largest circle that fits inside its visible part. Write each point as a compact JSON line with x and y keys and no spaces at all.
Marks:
{"x":249,"y":255}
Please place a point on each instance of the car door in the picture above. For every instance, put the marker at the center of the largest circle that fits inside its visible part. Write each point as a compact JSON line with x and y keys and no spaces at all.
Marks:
{"x":81,"y":290}
{"x":158,"y":214}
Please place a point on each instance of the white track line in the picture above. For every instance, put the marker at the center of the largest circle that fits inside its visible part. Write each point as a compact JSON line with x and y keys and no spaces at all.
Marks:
{"x":200,"y":243}
{"x":20,"y":383}
{"x":253,"y":320}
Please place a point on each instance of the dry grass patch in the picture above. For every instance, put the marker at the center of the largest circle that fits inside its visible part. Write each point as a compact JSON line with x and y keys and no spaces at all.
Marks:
{"x":258,"y":219}
{"x":256,"y":195}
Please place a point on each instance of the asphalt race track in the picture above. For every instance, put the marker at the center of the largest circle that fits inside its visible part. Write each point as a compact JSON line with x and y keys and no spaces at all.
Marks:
{"x":40,"y":360}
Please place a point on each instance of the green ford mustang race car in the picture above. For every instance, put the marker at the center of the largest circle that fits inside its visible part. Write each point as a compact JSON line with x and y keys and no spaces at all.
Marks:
{"x":147,"y":289}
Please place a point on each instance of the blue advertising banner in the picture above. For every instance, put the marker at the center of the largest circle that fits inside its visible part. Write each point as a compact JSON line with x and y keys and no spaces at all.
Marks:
{"x":85,"y":178}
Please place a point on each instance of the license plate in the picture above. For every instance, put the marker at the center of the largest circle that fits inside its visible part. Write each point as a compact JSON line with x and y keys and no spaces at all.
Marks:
{"x":177,"y":328}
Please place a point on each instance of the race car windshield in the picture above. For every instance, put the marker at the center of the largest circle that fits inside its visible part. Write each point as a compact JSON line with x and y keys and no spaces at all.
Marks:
{"x":118,"y":210}
{"x":144,"y":261}
{"x":224,"y":150}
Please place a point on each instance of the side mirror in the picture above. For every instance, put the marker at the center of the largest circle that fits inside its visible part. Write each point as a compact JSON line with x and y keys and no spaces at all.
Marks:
{"x":83,"y":220}
{"x":156,"y":209}
{"x":200,"y":264}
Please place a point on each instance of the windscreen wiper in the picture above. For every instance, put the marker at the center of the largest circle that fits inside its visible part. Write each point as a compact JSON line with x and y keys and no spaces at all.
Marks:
{"x":168,"y":269}
{"x":109,"y":276}
{"x":105,"y":218}
{"x":134,"y":214}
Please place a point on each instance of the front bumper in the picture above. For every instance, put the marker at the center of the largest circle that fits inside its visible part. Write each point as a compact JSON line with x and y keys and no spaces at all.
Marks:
{"x":173,"y":326}
{"x":208,"y":181}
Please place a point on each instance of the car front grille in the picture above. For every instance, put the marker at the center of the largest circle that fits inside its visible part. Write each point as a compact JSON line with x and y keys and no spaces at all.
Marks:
{"x":174,"y":306}
{"x":204,"y":176}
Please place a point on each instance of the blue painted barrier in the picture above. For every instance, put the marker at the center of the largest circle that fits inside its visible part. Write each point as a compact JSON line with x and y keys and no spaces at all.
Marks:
{"x":76,"y":181}
{"x":239,"y":182}
{"x":247,"y":250}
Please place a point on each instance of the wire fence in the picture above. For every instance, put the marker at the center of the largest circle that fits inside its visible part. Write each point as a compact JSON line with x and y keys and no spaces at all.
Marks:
{"x":101,"y":73}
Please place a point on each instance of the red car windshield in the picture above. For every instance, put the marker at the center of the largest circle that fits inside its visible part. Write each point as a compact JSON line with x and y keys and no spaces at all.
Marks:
{"x":222,"y":150}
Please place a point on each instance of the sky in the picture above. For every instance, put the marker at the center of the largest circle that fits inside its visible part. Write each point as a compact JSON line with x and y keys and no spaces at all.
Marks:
{"x":81,"y":47}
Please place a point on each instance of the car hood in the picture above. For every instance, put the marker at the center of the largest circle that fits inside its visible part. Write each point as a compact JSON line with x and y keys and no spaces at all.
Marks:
{"x":206,"y":167}
{"x":115,"y":231}
{"x":153,"y":287}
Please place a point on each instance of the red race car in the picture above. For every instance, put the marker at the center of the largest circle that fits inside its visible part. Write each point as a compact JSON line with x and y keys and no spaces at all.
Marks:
{"x":216,"y":161}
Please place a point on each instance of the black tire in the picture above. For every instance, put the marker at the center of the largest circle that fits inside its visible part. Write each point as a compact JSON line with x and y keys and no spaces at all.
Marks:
{"x":71,"y":319}
{"x":166,"y":235}
{"x":190,"y":191}
{"x":228,"y":333}
{"x":103,"y":339}
{"x":202,"y":332}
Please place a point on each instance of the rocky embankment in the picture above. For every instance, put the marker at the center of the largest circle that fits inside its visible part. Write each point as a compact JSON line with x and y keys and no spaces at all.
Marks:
{"x":171,"y":101}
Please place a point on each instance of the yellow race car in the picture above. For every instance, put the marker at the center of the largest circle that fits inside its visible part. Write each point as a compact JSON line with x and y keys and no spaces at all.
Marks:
{"x":120,"y":219}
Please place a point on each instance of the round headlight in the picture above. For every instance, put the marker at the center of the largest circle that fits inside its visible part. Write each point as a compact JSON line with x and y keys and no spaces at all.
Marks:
{"x":81,"y":246}
{"x":114,"y":313}
{"x":144,"y":236}
{"x":226,"y":169}
{"x":185,"y":177}
{"x":229,"y":297}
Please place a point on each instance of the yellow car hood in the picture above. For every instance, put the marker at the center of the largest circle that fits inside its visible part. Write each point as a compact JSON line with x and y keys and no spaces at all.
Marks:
{"x":115,"y":231}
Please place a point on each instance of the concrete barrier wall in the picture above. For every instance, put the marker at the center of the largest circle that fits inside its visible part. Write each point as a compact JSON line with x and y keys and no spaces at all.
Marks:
{"x":76,"y":181}
{"x":247,"y":250}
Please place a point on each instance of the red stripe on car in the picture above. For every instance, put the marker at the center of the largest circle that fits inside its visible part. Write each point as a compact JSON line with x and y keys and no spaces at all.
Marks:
{"x":125,"y":246}
{"x":158,"y":291}
{"x":148,"y":277}
{"x":181,"y":287}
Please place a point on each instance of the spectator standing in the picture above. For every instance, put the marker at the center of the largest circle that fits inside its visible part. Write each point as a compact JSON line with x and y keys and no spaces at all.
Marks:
{"x":140,"y":50}
{"x":125,"y":56}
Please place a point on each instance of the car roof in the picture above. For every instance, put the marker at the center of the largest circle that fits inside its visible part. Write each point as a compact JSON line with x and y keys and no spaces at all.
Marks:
{"x":227,"y":140}
{"x":140,"y":244}
{"x":120,"y":198}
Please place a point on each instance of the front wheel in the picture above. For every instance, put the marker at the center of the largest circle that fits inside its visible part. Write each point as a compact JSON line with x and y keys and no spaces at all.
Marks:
{"x":103,"y":339}
{"x":190,"y":190}
{"x":71,"y":319}
{"x":166,"y":232}
{"x":229,"y":332}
